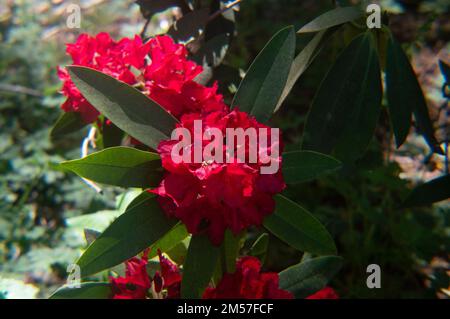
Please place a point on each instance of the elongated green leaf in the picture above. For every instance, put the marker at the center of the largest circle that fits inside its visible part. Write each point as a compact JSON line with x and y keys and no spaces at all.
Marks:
{"x":111,"y":135}
{"x":264,"y":82}
{"x":259,"y":247}
{"x":433,"y":191}
{"x":347,"y":105}
{"x":87,"y":290}
{"x":405,"y":96}
{"x":67,"y":123}
{"x":169,"y":240}
{"x":141,"y":225}
{"x":308,"y":277}
{"x":126,"y":107}
{"x":332,"y":18}
{"x":424,"y":123}
{"x":201,"y":261}
{"x":300,"y":64}
{"x":301,"y":166}
{"x":230,"y":250}
{"x":399,"y":86}
{"x":189,"y":25}
{"x":120,"y":166}
{"x":298,"y":228}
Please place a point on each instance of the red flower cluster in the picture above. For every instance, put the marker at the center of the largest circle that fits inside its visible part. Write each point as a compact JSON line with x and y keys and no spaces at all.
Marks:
{"x":247,"y":282}
{"x":325,"y":293}
{"x":160,"y":66}
{"x":137,"y":282}
{"x":212,"y":197}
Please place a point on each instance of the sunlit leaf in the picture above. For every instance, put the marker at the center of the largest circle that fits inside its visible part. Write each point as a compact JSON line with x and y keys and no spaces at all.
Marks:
{"x":120,"y":166}
{"x":125,"y":106}
{"x":332,"y":18}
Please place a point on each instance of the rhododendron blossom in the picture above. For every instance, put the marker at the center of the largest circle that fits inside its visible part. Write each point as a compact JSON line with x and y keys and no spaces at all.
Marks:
{"x":248,"y":282}
{"x":325,"y":293}
{"x":159,"y":68}
{"x":137,"y":284}
{"x":212,"y":197}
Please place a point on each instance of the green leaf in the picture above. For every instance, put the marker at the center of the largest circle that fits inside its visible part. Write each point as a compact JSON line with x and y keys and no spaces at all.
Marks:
{"x":120,"y":166}
{"x":405,"y":96}
{"x":347,"y":105}
{"x":125,"y":106}
{"x":67,"y":123}
{"x":259,"y":247}
{"x":230,"y":250}
{"x":87,"y":290}
{"x":301,"y":166}
{"x":300,"y":64}
{"x":399,"y":88}
{"x":189,"y":25}
{"x":140,"y":226}
{"x":297,"y":227}
{"x":332,"y":18}
{"x":306,"y":278}
{"x":264,"y":82}
{"x":198,"y":269}
{"x":169,"y":240}
{"x":433,"y":191}
{"x":111,"y":135}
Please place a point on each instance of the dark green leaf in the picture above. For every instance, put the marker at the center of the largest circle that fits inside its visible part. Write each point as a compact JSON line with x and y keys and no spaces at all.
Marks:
{"x":301,"y":166}
{"x":201,"y":261}
{"x":347,"y":105}
{"x":189,"y":25}
{"x":399,"y":86}
{"x":332,"y":18}
{"x":87,"y":290}
{"x":111,"y":135}
{"x":151,"y":7}
{"x":230,"y":250}
{"x":297,"y":227}
{"x":120,"y":166}
{"x":433,"y":191}
{"x":264,"y":82}
{"x":308,"y":277}
{"x":259,"y":247}
{"x":300,"y":64}
{"x":213,"y":51}
{"x":140,"y":226}
{"x":126,"y":107}
{"x":68,"y":122}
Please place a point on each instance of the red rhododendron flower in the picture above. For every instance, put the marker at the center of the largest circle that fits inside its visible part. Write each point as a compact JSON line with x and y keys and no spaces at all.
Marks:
{"x":325,"y":293}
{"x":135,"y":284}
{"x":169,"y":279}
{"x":166,"y":76}
{"x":106,"y":55}
{"x":247,"y":282}
{"x":210,"y":196}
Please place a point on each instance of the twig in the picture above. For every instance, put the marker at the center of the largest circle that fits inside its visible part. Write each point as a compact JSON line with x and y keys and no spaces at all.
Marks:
{"x":19,"y":89}
{"x":90,"y":140}
{"x":144,"y":29}
{"x":224,"y":9}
